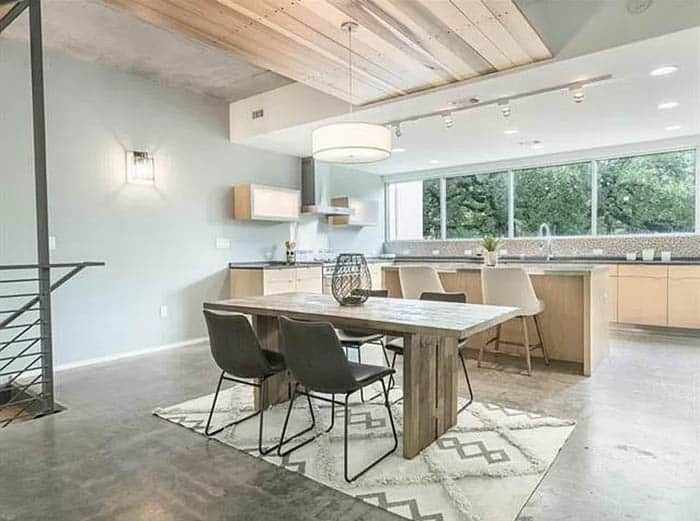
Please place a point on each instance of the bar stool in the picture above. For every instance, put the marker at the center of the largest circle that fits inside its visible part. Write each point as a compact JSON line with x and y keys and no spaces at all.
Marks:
{"x":350,"y":339}
{"x":396,"y":346}
{"x":511,"y":286}
{"x":318,"y":364}
{"x":416,"y":280}
{"x":236,"y":350}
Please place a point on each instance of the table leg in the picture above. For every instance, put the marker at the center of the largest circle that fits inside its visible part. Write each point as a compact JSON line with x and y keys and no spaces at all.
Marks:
{"x":277,"y":387}
{"x":430,"y":390}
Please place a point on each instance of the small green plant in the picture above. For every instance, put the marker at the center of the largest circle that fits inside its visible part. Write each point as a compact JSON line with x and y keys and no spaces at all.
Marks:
{"x":490,"y":243}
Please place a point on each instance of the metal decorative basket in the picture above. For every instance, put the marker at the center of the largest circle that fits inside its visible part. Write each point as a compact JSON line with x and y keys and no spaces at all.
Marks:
{"x":351,"y":281}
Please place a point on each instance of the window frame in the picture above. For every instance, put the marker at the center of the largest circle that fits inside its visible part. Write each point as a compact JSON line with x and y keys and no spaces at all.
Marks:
{"x":641,"y":149}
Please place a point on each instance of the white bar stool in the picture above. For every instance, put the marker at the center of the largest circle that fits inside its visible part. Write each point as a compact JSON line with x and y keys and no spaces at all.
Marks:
{"x":511,"y":286}
{"x":416,"y":280}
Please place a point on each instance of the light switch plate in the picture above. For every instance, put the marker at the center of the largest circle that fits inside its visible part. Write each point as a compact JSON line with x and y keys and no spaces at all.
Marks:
{"x":52,"y":242}
{"x":163,"y":311}
{"x":222,"y":243}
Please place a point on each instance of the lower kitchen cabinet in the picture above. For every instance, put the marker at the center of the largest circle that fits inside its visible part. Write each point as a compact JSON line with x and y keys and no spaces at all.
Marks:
{"x":684,"y":296}
{"x":248,"y":282}
{"x":643,"y":295}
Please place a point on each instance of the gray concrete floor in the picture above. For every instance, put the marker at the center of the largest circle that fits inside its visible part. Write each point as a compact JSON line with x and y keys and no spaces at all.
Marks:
{"x":633,"y":455}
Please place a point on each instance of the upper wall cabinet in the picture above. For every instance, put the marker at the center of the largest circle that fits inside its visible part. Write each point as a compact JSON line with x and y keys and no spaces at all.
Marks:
{"x":364,"y":212}
{"x":265,"y":203}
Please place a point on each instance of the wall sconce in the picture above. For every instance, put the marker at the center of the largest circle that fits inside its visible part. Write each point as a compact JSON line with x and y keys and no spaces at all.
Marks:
{"x":140,"y":168}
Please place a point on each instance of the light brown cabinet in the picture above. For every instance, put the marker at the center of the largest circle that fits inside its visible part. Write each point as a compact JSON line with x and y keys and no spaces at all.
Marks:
{"x":365,"y":213}
{"x":684,"y":296}
{"x":643,"y":295}
{"x":253,"y":202}
{"x":248,"y":282}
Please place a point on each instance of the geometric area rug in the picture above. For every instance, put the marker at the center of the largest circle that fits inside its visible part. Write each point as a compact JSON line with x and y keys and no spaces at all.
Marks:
{"x":483,"y":469}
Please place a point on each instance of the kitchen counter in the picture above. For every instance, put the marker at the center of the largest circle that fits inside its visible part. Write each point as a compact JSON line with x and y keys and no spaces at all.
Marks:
{"x":281,"y":265}
{"x":532,"y":268}
{"x":574,"y":323}
{"x":514,"y":259}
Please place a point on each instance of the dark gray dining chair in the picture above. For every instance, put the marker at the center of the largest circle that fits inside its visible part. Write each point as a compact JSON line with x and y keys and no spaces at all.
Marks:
{"x":318,"y":365}
{"x":351,"y":339}
{"x":236,"y":350}
{"x":396,"y":346}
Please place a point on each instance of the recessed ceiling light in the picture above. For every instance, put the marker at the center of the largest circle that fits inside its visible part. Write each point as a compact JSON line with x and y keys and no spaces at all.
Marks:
{"x":673,"y":127}
{"x":664,"y":71}
{"x":397,"y":150}
{"x":668,"y":105}
{"x":511,"y":131}
{"x":433,"y":161}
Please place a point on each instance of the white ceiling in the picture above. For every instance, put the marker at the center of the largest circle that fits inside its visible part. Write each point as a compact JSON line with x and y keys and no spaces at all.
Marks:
{"x":94,"y":32}
{"x":622,"y":110}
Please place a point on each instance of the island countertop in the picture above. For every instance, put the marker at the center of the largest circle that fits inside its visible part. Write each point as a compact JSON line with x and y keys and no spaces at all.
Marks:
{"x":533,"y":269}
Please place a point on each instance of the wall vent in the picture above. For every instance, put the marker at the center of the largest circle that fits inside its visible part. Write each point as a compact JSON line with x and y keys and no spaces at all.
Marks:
{"x":258,"y":113}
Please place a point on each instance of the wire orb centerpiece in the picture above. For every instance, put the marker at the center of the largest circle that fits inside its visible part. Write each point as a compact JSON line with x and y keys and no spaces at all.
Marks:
{"x":351,"y":282}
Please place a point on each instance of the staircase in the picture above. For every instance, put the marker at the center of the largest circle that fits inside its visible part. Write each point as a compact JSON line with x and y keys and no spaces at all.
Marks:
{"x":26,"y":363}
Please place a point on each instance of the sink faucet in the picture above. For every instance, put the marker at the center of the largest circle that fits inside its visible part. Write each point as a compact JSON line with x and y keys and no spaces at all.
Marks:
{"x":546,"y":232}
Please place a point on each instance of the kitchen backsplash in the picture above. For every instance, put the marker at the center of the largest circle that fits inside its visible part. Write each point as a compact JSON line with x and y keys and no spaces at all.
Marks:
{"x":678,"y":245}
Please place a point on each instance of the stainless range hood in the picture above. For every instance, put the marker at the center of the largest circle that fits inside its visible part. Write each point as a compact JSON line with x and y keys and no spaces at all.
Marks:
{"x":315,"y":181}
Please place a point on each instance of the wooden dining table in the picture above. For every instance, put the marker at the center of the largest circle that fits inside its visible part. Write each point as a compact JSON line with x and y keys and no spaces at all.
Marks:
{"x":430,"y":331}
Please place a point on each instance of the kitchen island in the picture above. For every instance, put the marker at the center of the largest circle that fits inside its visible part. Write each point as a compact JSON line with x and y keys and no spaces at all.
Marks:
{"x":575,"y":320}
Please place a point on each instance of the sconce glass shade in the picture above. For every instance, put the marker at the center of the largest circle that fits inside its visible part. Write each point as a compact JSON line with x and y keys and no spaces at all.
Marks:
{"x":351,"y":142}
{"x":139,"y":168}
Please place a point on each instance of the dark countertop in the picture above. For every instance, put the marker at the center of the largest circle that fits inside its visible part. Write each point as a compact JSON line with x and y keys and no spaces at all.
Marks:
{"x":556,"y":259}
{"x":281,"y":265}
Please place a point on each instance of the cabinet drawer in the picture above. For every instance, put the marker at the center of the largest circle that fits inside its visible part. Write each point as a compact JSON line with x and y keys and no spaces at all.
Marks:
{"x":309,"y":285}
{"x":308,"y":273}
{"x":655,"y":272}
{"x":684,"y":303}
{"x":274,"y":288}
{"x":282,"y":275}
{"x":684,"y":272}
{"x":642,"y":300}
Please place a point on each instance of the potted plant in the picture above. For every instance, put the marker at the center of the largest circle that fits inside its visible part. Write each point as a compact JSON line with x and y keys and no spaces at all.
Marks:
{"x":490,"y":244}
{"x":291,"y":251}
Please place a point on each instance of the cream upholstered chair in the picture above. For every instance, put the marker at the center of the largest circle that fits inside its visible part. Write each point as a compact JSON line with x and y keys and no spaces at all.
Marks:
{"x":416,"y":280}
{"x":511,"y":286}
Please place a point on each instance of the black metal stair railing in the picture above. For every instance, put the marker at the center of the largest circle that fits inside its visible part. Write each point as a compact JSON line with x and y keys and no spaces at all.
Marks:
{"x":26,"y":364}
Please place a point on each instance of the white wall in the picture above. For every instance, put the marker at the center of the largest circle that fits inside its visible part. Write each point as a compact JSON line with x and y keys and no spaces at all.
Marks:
{"x":158,"y":241}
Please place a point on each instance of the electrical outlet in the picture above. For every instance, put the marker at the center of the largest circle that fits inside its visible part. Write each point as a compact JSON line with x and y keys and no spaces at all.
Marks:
{"x":163,"y":311}
{"x":436,"y":252}
{"x":222,"y":243}
{"x":468,"y":253}
{"x":52,"y":242}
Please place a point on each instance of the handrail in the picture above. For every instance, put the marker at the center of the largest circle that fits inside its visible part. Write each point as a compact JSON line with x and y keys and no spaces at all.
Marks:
{"x":77,"y":268}
{"x":84,"y":264}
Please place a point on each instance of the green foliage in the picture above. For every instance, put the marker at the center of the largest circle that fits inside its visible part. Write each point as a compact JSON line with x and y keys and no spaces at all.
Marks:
{"x":490,"y":243}
{"x":557,"y":195}
{"x":477,"y":205}
{"x":647,"y":194}
{"x":641,"y":194}
{"x":431,"y":209}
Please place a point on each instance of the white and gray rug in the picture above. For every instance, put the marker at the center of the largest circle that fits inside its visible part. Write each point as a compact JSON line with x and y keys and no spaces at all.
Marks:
{"x":485,"y":468}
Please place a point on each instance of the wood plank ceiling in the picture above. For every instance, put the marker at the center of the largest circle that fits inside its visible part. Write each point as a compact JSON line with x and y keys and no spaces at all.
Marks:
{"x":401,"y":46}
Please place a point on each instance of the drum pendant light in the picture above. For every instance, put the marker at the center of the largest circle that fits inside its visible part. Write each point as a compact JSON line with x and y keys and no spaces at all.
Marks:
{"x":351,"y":142}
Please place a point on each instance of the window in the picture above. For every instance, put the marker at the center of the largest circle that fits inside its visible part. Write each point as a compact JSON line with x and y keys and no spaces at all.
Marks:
{"x":647,"y":194}
{"x":642,"y":194}
{"x":557,"y":195}
{"x":477,"y":205}
{"x":414,"y":210}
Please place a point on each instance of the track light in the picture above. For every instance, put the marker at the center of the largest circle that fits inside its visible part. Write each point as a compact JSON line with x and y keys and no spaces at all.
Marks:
{"x":577,"y":94}
{"x":448,"y":120}
{"x":505,"y":108}
{"x":397,"y":130}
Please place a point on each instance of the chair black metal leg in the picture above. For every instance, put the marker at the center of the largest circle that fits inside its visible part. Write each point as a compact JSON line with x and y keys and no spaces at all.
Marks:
{"x":349,"y":478}
{"x":207,"y":432}
{"x":263,"y":400}
{"x":359,"y":361}
{"x":286,"y":422}
{"x":469,"y":384}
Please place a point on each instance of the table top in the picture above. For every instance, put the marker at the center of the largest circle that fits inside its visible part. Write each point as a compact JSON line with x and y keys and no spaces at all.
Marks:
{"x":385,"y":315}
